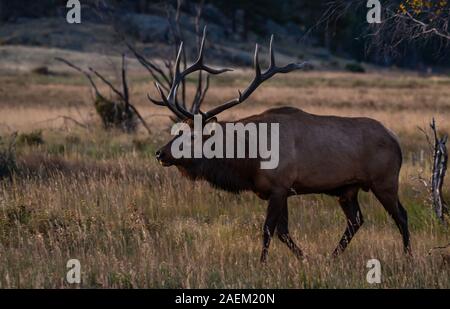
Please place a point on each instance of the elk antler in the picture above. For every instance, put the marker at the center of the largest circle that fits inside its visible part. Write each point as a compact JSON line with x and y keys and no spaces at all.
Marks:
{"x":163,"y":74}
{"x":170,"y":100}
{"x":257,"y":80}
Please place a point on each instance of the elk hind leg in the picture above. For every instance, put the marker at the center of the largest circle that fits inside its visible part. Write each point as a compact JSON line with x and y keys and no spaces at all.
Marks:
{"x":388,"y":197}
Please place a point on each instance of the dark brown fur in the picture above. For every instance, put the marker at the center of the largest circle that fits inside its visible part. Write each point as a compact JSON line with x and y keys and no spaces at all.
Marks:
{"x":318,"y":154}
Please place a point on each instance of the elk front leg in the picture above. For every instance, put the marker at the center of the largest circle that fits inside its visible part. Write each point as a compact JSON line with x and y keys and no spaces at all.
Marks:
{"x":350,"y":206}
{"x":283,"y":232}
{"x":276,"y":203}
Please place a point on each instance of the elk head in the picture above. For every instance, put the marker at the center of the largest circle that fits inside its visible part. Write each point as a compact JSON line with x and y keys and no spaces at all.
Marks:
{"x":164,"y":155}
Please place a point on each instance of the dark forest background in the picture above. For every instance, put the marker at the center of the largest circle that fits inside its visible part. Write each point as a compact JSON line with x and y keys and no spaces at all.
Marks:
{"x":345,"y":36}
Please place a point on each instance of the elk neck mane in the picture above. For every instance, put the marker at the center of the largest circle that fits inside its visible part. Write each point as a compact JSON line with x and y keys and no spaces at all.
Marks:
{"x":232,"y":175}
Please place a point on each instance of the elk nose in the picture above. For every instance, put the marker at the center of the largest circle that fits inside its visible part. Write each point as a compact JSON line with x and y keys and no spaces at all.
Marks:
{"x":158,"y":154}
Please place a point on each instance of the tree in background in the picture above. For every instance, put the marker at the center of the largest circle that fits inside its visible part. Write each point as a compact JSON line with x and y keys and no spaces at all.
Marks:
{"x":413,"y":33}
{"x":423,"y":18}
{"x":416,"y":30}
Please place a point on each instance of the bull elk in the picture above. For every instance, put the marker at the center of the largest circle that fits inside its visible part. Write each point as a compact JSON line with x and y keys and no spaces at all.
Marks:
{"x":332,"y":155}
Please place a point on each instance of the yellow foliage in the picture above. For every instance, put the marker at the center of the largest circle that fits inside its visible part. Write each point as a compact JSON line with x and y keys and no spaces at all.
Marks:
{"x":416,"y":7}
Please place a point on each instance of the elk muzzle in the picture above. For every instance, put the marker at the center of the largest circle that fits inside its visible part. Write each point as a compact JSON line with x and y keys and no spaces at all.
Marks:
{"x":164,"y":158}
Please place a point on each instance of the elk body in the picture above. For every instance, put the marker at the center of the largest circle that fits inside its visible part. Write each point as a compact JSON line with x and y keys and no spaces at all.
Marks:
{"x":337,"y":156}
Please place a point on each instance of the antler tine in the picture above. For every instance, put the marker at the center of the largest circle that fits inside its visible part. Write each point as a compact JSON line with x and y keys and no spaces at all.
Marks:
{"x":199,"y":65}
{"x":171,"y":99}
{"x":200,"y":93}
{"x":177,"y":73}
{"x":202,"y":45}
{"x":257,"y":80}
{"x":156,"y":102}
{"x":202,"y":96}
{"x":161,"y":92}
{"x":272,"y":56}
{"x":165,"y":102}
{"x":256,"y":62}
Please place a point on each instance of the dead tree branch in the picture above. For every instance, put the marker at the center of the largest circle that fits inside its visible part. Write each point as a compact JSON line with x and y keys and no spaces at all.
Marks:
{"x":401,"y":22}
{"x":438,"y":248}
{"x":115,"y":113}
{"x":88,"y":76}
{"x":65,"y":118}
{"x":440,"y":160}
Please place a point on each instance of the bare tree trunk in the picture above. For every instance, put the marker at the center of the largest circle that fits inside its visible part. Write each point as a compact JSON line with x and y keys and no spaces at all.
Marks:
{"x":440,"y":159}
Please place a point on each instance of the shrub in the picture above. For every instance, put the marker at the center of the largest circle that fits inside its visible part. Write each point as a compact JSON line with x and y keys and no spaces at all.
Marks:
{"x":8,"y":162}
{"x":115,"y":115}
{"x":355,"y":67}
{"x":31,"y":139}
{"x":41,"y":71}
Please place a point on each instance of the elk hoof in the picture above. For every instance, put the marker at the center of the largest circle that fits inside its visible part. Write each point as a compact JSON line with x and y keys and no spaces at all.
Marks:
{"x":300,"y":256}
{"x":336,"y":253}
{"x":408,"y":252}
{"x":263,"y":259}
{"x":303,"y":258}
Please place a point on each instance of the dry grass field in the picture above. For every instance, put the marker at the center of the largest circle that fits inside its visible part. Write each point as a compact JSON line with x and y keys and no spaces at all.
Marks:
{"x":102,"y":198}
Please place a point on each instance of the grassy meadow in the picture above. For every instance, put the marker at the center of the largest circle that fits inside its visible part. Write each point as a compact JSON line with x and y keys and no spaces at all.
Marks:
{"x":101,"y":197}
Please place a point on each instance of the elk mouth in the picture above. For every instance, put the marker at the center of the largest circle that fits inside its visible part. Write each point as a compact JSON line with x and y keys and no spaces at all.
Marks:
{"x":163,"y":159}
{"x":164,"y":163}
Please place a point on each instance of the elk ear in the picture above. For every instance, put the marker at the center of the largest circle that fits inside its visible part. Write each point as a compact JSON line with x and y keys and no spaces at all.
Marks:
{"x":213,"y":119}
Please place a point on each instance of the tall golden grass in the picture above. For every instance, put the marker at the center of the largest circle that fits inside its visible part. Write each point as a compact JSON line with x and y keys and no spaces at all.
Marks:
{"x":100,"y":197}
